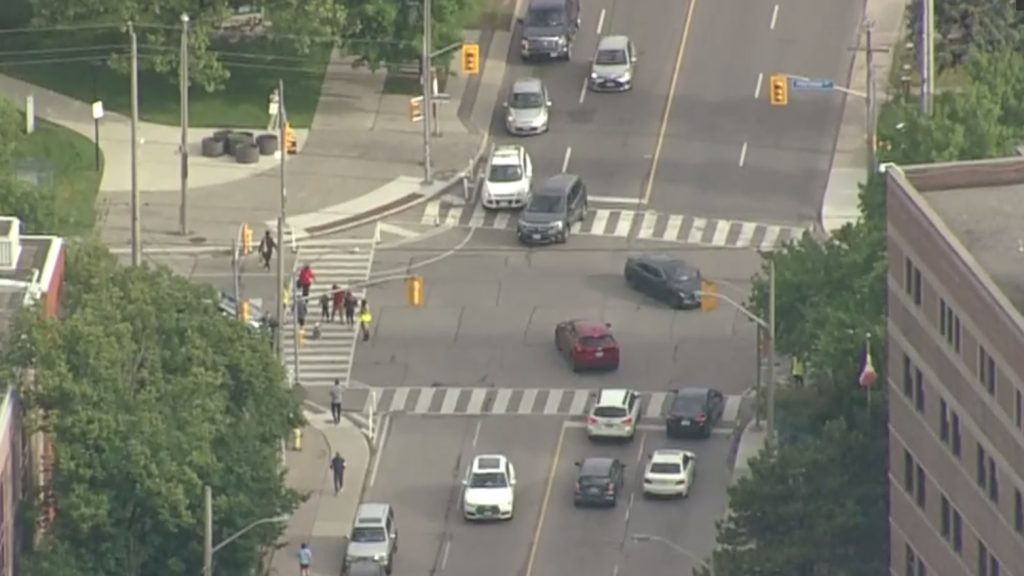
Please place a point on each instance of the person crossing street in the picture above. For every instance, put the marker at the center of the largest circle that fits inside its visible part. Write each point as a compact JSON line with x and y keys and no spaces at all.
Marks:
{"x":337,"y":392}
{"x":365,"y":318}
{"x":266,"y":249}
{"x":306,"y":279}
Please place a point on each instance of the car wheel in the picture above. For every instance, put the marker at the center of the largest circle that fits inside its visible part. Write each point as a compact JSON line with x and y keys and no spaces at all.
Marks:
{"x":567,"y":231}
{"x":388,"y":566}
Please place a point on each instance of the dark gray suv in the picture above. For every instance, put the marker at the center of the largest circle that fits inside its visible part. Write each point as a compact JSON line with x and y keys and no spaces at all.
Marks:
{"x":549,"y":28}
{"x":560,"y":202}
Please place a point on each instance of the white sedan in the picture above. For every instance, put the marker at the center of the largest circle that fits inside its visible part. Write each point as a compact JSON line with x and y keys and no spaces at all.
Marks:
{"x":489,"y":489}
{"x":670,"y":473}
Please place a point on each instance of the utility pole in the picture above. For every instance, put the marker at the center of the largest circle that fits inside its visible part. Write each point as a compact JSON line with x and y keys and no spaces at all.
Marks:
{"x":927,"y":55}
{"x":183,"y":89}
{"x":207,"y":531}
{"x":427,"y":79}
{"x":236,"y":273}
{"x":136,"y":225}
{"x":759,"y":375}
{"x":282,"y":120}
{"x":771,"y":350}
{"x":870,"y":95}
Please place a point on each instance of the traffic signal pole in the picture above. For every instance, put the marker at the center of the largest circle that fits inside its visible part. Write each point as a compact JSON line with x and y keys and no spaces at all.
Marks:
{"x":427,"y":80}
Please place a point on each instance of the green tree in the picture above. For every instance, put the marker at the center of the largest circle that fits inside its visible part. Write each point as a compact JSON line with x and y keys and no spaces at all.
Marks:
{"x":11,"y":133}
{"x":149,"y":393}
{"x":964,"y":28}
{"x":301,"y":24}
{"x":388,"y":32}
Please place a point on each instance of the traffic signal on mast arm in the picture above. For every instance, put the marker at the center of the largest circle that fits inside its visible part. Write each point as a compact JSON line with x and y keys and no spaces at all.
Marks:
{"x":470,"y":59}
{"x":414,"y":285}
{"x":779,"y":93}
{"x":416,"y":108}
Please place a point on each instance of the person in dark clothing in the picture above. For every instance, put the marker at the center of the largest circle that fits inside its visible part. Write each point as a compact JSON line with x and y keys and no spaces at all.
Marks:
{"x":338,"y":303}
{"x":325,"y":307}
{"x":337,"y":394}
{"x":300,"y":312}
{"x":338,"y":467}
{"x":350,"y":308}
{"x":267,"y":247}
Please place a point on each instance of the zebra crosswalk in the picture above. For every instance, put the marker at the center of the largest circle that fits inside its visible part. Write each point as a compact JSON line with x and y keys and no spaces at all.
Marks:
{"x":495,"y":401}
{"x":344,"y":262}
{"x":643,"y":225}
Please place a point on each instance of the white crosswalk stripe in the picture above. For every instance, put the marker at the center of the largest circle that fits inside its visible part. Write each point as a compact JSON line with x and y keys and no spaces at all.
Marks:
{"x":645,"y":225}
{"x":508,"y":401}
{"x":347,"y":263}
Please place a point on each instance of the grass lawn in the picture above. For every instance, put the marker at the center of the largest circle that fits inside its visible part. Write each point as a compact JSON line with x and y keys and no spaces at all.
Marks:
{"x":952,"y":79}
{"x":75,"y":178}
{"x":255,"y":68}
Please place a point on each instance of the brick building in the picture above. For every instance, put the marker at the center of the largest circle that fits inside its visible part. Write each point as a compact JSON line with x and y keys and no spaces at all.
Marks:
{"x":956,"y":368}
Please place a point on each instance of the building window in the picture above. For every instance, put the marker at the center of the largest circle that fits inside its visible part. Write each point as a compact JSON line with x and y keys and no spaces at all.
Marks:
{"x":908,"y":378}
{"x":943,"y":421}
{"x":945,"y":518}
{"x":955,"y":441}
{"x":920,"y":495}
{"x":917,"y":286}
{"x":908,"y":276}
{"x":982,"y":559}
{"x":1018,"y":408}
{"x":993,"y":566}
{"x":993,"y":481}
{"x":982,"y":477}
{"x":1018,"y":511}
{"x":908,"y":471}
{"x":958,"y":532}
{"x":949,"y":324}
{"x":911,"y":569}
{"x":987,"y":370}
{"x":918,"y":390}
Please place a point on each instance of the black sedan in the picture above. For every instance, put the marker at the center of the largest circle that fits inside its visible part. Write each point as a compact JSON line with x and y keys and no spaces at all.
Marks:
{"x":694,"y":411}
{"x":666,"y":278}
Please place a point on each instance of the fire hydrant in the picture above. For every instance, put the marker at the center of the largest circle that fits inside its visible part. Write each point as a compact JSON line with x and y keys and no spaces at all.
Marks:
{"x":297,"y":439}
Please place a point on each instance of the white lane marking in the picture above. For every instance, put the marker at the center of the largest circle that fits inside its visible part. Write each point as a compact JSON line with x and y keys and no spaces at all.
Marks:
{"x":613,"y":199}
{"x":647,"y":224}
{"x":629,"y":507}
{"x":454,"y":215}
{"x":579,"y":402}
{"x":432,"y":213}
{"x":732,"y":408}
{"x":775,"y":16}
{"x":722,"y":228}
{"x":423,"y":402}
{"x":625,"y":224}
{"x":527,"y":400}
{"x":757,"y":88}
{"x":743,"y":154}
{"x":444,"y":555}
{"x":398,"y":400}
{"x":565,"y":159}
{"x":501,"y":220}
{"x":600,"y":22}
{"x":771,"y":236}
{"x":615,"y":570}
{"x":384,"y":426}
{"x":476,"y":401}
{"x":476,"y":217}
{"x":476,"y":433}
{"x":554,"y":399}
{"x":697,"y":231}
{"x":747,"y":230}
{"x":397,"y":230}
{"x":451,"y":399}
{"x":675,"y":222}
{"x":640,"y":451}
{"x":583,"y":94}
{"x":600,"y":221}
{"x":501,"y":401}
{"x":654,"y":406}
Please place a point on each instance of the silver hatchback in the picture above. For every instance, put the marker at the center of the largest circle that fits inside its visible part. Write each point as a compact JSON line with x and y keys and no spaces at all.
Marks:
{"x":526,"y":111}
{"x":613,"y":65}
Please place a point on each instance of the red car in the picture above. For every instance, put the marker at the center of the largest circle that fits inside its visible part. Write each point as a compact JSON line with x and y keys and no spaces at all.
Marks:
{"x":587,"y":344}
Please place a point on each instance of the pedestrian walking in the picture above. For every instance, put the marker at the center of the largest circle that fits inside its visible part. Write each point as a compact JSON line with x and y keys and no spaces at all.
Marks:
{"x":325,"y":307}
{"x":274,"y":111}
{"x":306,"y":278}
{"x":336,"y":395}
{"x":350,"y":308}
{"x":338,"y":303}
{"x":338,"y":467}
{"x":365,"y":318}
{"x":266,"y":248}
{"x":305,"y":559}
{"x":300,"y":312}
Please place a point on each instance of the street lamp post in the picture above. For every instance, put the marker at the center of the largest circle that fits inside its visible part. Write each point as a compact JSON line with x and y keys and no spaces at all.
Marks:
{"x":208,"y":548}
{"x":676,"y":547}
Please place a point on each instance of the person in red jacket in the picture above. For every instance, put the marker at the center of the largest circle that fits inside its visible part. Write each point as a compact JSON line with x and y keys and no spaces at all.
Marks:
{"x":306,"y":278}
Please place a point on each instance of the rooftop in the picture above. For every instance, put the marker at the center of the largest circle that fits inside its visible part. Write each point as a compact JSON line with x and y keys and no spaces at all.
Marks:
{"x":982,"y":204}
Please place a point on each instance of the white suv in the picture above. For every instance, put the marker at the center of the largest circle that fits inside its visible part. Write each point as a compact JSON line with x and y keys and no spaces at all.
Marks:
{"x":615,"y":414}
{"x":508,"y":179}
{"x":489,"y":489}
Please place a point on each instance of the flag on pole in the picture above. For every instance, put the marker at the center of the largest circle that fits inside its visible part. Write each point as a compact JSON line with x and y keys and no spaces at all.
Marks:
{"x":868,"y":375}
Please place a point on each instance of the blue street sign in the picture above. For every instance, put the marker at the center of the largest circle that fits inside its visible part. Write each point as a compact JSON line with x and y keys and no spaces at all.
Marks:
{"x":811,"y":84}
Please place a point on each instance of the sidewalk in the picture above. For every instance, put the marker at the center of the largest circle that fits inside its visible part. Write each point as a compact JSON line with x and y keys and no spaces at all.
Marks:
{"x":840,"y":204}
{"x":324,"y":520}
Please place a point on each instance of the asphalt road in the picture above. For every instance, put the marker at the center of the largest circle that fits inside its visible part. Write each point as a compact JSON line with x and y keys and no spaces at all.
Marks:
{"x":423,"y":460}
{"x":491,"y":309}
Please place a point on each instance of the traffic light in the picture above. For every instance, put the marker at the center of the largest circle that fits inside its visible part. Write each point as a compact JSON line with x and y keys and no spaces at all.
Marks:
{"x":244,"y":310}
{"x":414,"y":285}
{"x":708,"y":296}
{"x":416,"y":109}
{"x":779,"y":90}
{"x":246,"y":240}
{"x":470,"y":59}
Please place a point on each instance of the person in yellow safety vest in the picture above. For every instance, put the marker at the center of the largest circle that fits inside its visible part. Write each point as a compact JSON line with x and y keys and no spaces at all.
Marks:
{"x":365,"y":317}
{"x":797,"y":372}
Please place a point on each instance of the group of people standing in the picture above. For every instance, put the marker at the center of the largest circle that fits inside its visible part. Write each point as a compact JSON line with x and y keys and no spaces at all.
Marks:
{"x":338,"y":303}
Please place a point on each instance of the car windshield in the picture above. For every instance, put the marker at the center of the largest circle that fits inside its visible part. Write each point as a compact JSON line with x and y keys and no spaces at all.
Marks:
{"x":545,"y":203}
{"x":505,"y":173}
{"x":610,"y":412}
{"x":591,"y":480}
{"x":526,"y":100}
{"x":545,"y":18}
{"x":596,"y":341}
{"x":365,"y":534}
{"x":610,"y":57}
{"x":688,"y":404}
{"x":665,"y":468}
{"x":488,"y":480}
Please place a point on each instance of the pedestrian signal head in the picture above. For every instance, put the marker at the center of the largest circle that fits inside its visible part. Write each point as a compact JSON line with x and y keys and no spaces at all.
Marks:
{"x":779,"y":90}
{"x":470,"y":59}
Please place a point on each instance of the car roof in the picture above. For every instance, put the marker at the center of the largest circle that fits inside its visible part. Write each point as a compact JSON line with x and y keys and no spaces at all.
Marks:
{"x":612,"y":397}
{"x":595,"y":466}
{"x":507,"y":155}
{"x":527,"y":85}
{"x":692,"y":393}
{"x":371,"y":514}
{"x":557,"y":185}
{"x":591,"y":327}
{"x":617,"y":42}
{"x":489,"y":462}
{"x":668,"y":455}
{"x":664,"y":261}
{"x":547,"y":3}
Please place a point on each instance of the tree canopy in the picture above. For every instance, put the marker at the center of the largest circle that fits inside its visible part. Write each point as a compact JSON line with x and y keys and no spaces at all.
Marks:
{"x":964,"y":28}
{"x":149,"y":394}
{"x":35,"y":206}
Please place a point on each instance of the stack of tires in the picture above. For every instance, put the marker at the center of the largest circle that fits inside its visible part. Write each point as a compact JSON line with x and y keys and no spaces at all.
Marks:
{"x":244,"y":147}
